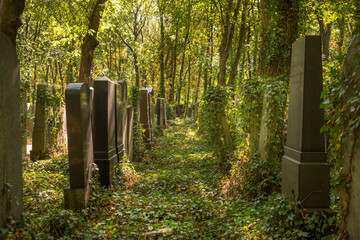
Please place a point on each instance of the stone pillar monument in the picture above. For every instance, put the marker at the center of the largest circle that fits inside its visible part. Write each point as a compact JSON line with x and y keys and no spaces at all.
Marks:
{"x":80,"y":143}
{"x":145,"y":115}
{"x":305,"y":171}
{"x":104,"y":129}
{"x":40,"y":140}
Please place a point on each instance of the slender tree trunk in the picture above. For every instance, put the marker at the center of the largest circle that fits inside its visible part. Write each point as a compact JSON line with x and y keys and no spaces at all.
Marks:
{"x":172,"y":84}
{"x":342,"y":35}
{"x":162,"y":49}
{"x":90,"y":43}
{"x":228,"y":23}
{"x":241,"y":40}
{"x":188,"y":90}
{"x":264,"y":37}
{"x":325,"y":33}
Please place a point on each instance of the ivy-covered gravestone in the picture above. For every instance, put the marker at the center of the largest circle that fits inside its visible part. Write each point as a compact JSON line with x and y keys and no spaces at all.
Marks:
{"x":305,"y":171}
{"x":40,"y":139}
{"x":11,"y":183}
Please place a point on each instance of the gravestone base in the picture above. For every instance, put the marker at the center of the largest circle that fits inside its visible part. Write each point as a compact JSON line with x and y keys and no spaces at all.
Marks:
{"x":76,"y":199}
{"x":106,"y":167}
{"x":307,"y":182}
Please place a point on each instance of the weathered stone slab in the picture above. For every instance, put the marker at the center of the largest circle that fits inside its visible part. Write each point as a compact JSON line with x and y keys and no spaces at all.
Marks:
{"x":129,"y":132}
{"x":304,"y":167}
{"x":78,"y":100}
{"x":40,"y":140}
{"x":161,"y":113}
{"x":104,"y":129}
{"x":119,"y":116}
{"x":11,"y":183}
{"x":145,"y":115}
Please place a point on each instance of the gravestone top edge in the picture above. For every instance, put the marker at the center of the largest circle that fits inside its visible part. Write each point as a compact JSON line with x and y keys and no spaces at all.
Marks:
{"x":103,"y":79}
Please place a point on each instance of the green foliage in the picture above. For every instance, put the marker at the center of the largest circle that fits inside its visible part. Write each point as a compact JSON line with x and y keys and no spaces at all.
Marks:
{"x":170,"y":111}
{"x":275,"y":115}
{"x":214,"y":121}
{"x":251,"y":93}
{"x":139,"y":148}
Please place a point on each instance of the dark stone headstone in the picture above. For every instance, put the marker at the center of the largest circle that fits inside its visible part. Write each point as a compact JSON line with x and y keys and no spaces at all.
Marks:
{"x":119,"y":116}
{"x":305,"y":172}
{"x":163,"y":109}
{"x":129,"y":132}
{"x":145,"y":115}
{"x":41,"y":137}
{"x":80,"y":144}
{"x":104,"y":129}
{"x":11,"y":183}
{"x":161,"y":113}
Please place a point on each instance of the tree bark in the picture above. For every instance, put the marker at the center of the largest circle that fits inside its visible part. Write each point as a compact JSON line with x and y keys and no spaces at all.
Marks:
{"x":228,"y":23}
{"x":162,"y":49}
{"x":325,"y":33}
{"x":241,"y":40}
{"x":172,"y":83}
{"x":90,"y":43}
{"x":10,"y":12}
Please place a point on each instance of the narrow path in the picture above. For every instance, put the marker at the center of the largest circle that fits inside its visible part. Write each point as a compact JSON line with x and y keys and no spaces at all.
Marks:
{"x":175,"y":190}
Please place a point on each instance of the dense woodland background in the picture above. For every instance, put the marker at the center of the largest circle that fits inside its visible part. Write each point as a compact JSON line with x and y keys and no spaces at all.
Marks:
{"x":223,"y":63}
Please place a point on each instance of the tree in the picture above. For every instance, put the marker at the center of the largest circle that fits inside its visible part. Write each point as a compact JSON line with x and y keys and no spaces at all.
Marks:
{"x":90,"y":42}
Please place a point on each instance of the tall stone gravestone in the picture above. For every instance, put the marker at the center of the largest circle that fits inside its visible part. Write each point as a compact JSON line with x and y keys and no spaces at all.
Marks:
{"x":104,"y":129}
{"x":41,"y":136}
{"x":129,"y":131}
{"x":163,"y":108}
{"x":161,"y":113}
{"x":119,"y":116}
{"x":80,"y":144}
{"x":145,"y":115}
{"x":305,"y":172}
{"x":11,"y":192}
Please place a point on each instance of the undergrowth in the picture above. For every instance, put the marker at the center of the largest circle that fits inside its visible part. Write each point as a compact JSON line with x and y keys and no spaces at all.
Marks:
{"x":176,"y":191}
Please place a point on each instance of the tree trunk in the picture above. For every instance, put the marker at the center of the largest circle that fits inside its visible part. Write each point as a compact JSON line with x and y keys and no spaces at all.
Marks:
{"x":10,"y":11}
{"x":162,"y":49}
{"x":188,"y":90}
{"x":325,"y":33}
{"x":172,"y":84}
{"x":241,"y":39}
{"x":342,"y":35}
{"x":90,"y":43}
{"x":264,"y":37}
{"x":228,"y":23}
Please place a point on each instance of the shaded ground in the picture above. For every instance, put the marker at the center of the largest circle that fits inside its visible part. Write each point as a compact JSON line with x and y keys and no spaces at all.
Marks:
{"x":174,"y":193}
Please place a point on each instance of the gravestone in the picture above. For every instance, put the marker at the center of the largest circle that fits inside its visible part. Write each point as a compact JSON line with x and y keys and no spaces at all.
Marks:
{"x":119,"y":116}
{"x":40,"y":139}
{"x":80,"y":144}
{"x":305,"y":172}
{"x":104,"y":129}
{"x":161,"y":113}
{"x":129,"y":131}
{"x":164,"y":118}
{"x":11,"y":183}
{"x":145,"y":115}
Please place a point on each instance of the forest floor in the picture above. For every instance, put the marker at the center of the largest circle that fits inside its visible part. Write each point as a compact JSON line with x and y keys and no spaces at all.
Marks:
{"x":176,"y":192}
